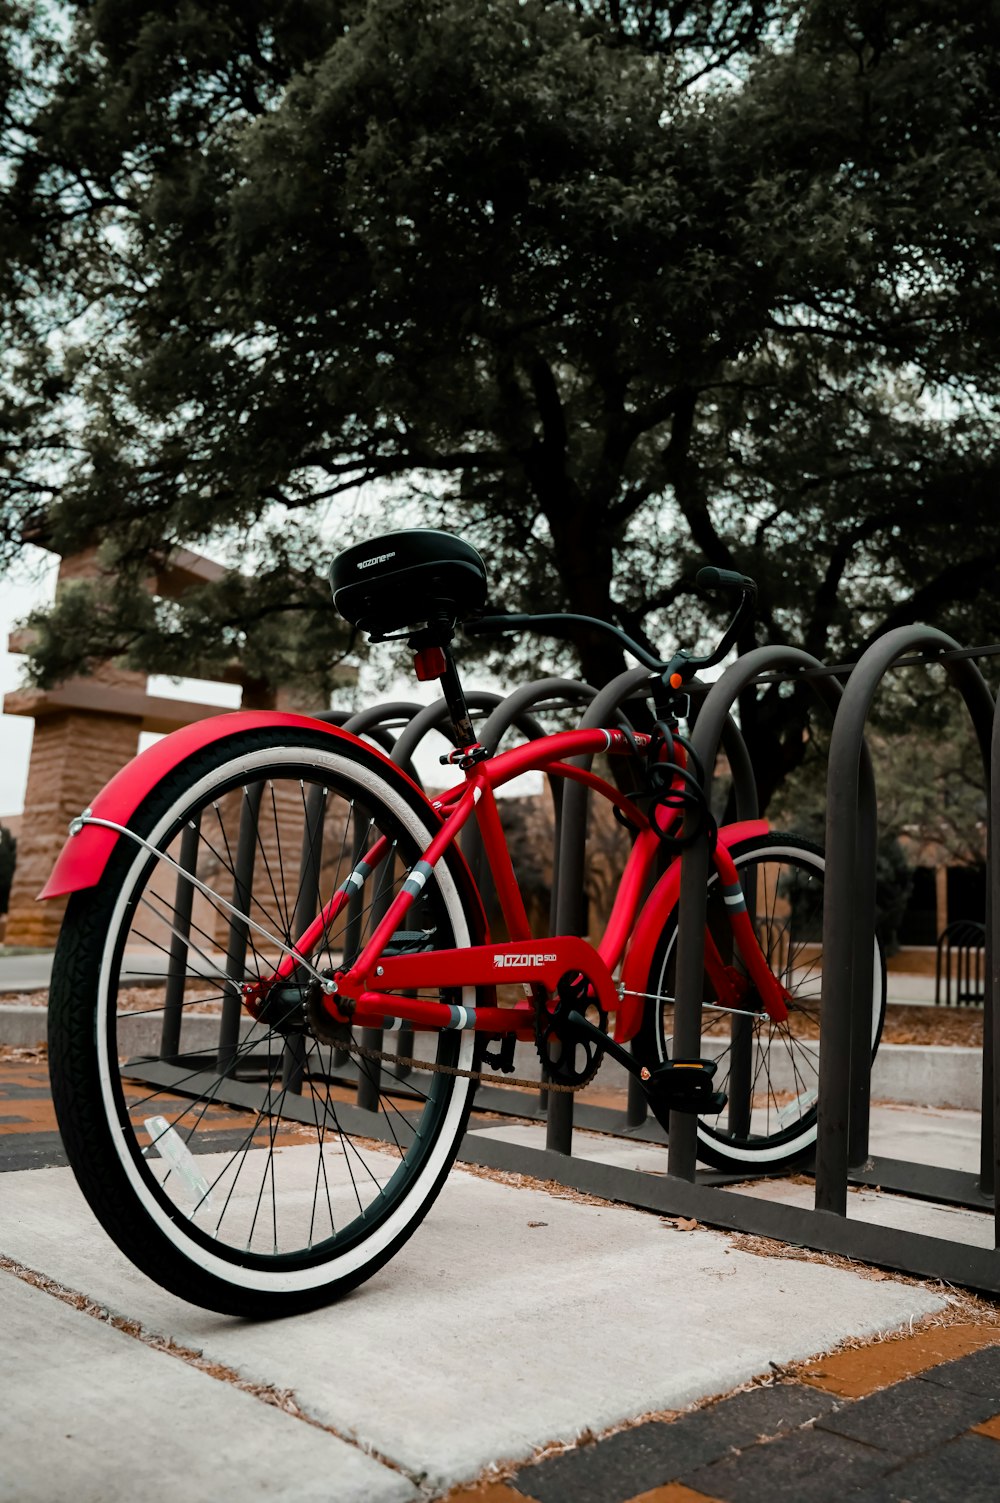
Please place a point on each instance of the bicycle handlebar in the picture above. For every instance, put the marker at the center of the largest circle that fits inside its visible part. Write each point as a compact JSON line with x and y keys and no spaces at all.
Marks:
{"x":557,"y":625}
{"x":710,"y":578}
{"x":684,"y":663}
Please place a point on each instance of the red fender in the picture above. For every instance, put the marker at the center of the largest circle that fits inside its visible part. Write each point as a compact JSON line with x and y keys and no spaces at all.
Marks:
{"x":83,"y":858}
{"x":656,"y":910}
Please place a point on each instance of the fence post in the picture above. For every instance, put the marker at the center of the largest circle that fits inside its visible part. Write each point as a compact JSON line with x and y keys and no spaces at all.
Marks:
{"x":173,"y":1000}
{"x":307,"y":904}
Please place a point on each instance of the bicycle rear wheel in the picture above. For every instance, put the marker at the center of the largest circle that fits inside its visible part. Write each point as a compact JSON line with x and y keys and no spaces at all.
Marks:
{"x":769,"y":1071}
{"x":254,"y":1167}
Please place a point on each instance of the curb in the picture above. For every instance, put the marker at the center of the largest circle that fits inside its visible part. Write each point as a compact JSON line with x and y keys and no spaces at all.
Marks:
{"x":25,"y":1027}
{"x":934,"y":1075}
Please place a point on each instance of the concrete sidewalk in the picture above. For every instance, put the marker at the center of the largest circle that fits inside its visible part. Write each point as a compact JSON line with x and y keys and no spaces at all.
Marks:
{"x":520,"y":1323}
{"x":528,"y":1343}
{"x":515,"y":1318}
{"x":26,"y":971}
{"x":31,"y":970}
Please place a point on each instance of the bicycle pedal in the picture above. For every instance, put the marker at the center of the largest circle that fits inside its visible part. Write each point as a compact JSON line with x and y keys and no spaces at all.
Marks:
{"x":683,"y":1085}
{"x":503,"y":1059}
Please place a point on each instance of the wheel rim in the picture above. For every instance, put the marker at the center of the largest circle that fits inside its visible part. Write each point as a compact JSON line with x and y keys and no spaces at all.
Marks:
{"x":233,"y":1163}
{"x":769,"y":1070}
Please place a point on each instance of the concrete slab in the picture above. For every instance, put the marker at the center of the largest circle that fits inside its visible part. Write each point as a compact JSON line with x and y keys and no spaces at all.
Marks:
{"x":25,"y":1026}
{"x":31,"y":970}
{"x":26,"y":972}
{"x":927,"y":1135}
{"x":949,"y":1139}
{"x":972,"y":1228}
{"x":91,"y":1415}
{"x":513,"y":1318}
{"x":910,"y":988}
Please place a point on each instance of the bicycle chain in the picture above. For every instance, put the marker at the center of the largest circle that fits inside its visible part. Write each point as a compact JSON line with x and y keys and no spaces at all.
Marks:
{"x":354,"y":1047}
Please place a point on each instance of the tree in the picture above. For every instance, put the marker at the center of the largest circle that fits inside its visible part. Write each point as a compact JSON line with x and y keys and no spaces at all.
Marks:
{"x":929,"y":773}
{"x":615,"y":289}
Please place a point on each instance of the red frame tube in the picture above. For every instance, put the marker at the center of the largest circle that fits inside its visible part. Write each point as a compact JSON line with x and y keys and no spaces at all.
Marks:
{"x":476,"y":792}
{"x":404,"y":899}
{"x":773,"y":995}
{"x":525,"y":960}
{"x":628,"y":898}
{"x":501,"y":867}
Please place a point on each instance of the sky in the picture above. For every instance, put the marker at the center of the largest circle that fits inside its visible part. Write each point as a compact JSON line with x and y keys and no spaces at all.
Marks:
{"x":17,"y":596}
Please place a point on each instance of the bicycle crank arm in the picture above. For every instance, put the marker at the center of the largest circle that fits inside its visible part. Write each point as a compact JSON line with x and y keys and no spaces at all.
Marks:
{"x":586,"y":1029}
{"x":677,"y":1085}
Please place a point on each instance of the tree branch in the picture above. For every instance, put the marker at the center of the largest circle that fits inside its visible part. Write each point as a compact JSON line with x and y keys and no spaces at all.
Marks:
{"x":955,"y":582}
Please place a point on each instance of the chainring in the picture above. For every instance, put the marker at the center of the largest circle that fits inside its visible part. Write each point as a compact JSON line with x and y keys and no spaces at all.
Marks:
{"x":569,"y":1059}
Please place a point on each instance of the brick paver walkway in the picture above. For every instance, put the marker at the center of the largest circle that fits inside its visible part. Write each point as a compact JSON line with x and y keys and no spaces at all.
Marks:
{"x":29,"y":1138}
{"x":915,"y":1420}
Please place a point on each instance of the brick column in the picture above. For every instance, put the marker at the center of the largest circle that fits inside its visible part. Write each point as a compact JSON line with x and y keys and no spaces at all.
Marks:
{"x":72,"y":756}
{"x":85,"y":730}
{"x":77,"y":746}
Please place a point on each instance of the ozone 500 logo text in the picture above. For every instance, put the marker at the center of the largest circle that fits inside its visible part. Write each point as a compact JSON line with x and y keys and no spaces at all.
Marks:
{"x":502,"y":962}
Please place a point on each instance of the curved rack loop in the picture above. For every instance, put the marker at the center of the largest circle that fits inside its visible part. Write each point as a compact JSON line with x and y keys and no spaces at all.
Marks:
{"x":706,"y":737}
{"x":849,"y":914}
{"x":513,"y":711}
{"x":569,"y":900}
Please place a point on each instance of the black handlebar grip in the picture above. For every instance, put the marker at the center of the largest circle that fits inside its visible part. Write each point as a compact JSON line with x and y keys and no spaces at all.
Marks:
{"x":724,"y":579}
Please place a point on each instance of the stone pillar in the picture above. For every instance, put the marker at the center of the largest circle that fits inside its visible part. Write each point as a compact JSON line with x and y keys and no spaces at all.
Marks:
{"x":88,"y":728}
{"x":72,"y":756}
{"x":78,"y":745}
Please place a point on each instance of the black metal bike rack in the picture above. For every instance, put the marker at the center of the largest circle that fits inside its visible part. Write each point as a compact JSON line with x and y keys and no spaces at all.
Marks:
{"x":960,"y":965}
{"x":842,"y":1156}
{"x":845,"y":1056}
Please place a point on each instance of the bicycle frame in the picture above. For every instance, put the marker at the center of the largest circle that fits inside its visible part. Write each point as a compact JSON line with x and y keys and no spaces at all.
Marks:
{"x":369,"y":993}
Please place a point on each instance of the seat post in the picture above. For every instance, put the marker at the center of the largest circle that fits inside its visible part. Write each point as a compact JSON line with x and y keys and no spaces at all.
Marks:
{"x":451,"y":688}
{"x":435,"y":660}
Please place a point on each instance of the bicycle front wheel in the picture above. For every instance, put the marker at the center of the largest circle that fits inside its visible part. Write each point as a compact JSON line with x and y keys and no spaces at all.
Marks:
{"x":256,"y":1167}
{"x":769,"y":1071}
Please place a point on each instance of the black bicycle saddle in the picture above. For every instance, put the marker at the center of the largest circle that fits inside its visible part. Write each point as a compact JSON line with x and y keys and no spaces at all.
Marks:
{"x":405,"y":578}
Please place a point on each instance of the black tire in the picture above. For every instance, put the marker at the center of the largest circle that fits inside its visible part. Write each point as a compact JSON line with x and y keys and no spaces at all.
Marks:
{"x":248,"y":1196}
{"x":783,"y":882}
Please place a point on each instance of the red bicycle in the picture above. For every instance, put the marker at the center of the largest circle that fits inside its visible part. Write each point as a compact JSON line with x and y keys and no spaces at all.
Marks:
{"x":259,"y":899}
